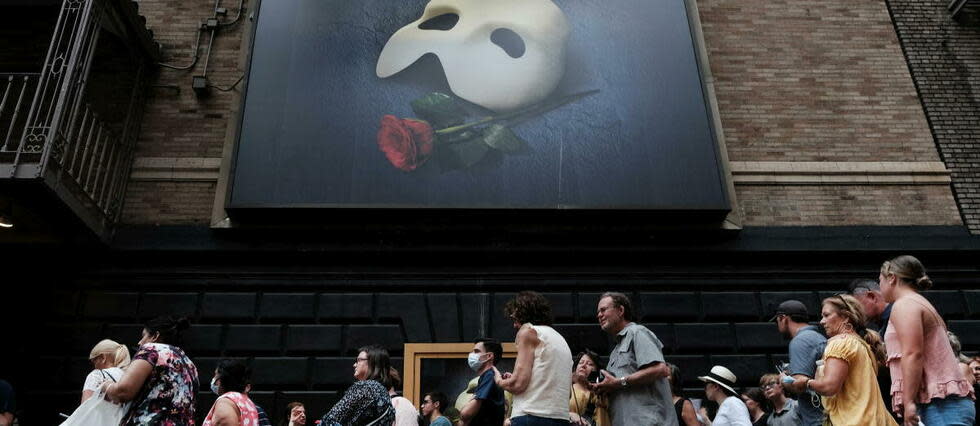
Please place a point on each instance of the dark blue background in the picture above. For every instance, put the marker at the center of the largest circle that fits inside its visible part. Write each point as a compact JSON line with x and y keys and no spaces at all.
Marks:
{"x":313,"y":107}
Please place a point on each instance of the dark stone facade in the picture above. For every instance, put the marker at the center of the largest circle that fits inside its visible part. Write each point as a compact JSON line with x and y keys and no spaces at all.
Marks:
{"x":298,"y":316}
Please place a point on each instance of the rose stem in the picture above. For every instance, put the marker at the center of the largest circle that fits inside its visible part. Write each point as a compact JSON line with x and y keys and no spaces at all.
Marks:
{"x":531,"y":110}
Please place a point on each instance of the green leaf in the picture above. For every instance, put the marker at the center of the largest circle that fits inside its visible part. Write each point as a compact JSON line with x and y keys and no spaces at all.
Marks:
{"x":469,"y":152}
{"x":502,"y":138}
{"x":439,"y":109}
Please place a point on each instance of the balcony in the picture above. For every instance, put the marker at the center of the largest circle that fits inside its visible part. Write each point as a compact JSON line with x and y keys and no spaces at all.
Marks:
{"x":72,"y":78}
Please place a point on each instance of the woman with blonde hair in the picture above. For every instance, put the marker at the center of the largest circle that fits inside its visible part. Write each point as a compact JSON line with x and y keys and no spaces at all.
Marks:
{"x":927,"y":382}
{"x":849,"y":385}
{"x":109,"y":360}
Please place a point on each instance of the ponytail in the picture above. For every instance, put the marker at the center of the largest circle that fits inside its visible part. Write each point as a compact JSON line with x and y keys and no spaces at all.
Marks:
{"x":121,"y":357}
{"x":118,"y":354}
{"x":873,"y":339}
{"x":909,"y":270}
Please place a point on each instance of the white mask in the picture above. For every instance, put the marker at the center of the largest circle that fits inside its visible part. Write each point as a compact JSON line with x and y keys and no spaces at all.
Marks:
{"x":474,"y":361}
{"x":477,"y":69}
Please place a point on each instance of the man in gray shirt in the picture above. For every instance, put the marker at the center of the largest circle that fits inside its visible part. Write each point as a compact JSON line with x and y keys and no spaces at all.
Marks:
{"x":805,"y":348}
{"x":636,"y":376}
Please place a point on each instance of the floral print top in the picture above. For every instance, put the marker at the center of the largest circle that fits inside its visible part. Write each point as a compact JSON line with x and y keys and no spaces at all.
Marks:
{"x":365,"y":403}
{"x":167,"y":396}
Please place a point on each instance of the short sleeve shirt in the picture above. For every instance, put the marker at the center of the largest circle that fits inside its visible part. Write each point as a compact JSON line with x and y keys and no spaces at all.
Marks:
{"x":441,"y":421}
{"x":637,"y":347}
{"x":804,"y":351}
{"x":732,"y":412}
{"x":96,"y":378}
{"x":167,"y":396}
{"x":492,"y":409}
{"x":859,"y":401}
{"x":784,"y":417}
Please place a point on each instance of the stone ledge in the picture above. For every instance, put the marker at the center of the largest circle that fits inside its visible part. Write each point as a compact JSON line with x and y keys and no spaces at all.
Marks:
{"x":206,"y":169}
{"x":839,"y":173}
{"x":176,"y":169}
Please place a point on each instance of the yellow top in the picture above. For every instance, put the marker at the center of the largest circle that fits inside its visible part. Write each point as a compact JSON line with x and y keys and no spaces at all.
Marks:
{"x":859,"y":401}
{"x":579,"y":404}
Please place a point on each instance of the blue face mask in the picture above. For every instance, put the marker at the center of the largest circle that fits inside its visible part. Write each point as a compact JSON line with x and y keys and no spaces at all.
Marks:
{"x":474,"y":361}
{"x":214,"y":385}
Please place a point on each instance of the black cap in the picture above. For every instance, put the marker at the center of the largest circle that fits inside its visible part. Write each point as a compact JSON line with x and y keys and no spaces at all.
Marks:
{"x":791,"y":308}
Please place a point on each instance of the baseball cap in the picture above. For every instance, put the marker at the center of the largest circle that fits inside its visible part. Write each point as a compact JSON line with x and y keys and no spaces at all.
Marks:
{"x":791,"y":308}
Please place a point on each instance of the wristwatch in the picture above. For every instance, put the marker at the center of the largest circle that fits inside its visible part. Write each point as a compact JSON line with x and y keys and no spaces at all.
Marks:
{"x":622,"y":381}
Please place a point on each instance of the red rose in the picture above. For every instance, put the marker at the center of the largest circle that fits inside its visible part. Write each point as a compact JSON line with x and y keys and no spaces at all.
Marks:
{"x":407,"y":143}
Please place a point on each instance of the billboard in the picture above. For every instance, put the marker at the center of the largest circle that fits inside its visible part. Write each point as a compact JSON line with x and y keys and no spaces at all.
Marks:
{"x":477,"y":104}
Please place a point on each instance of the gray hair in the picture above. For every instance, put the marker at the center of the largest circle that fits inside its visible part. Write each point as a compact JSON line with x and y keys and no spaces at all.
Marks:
{"x":620,"y":300}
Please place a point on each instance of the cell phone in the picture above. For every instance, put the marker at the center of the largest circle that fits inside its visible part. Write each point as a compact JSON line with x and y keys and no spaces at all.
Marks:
{"x":596,"y":377}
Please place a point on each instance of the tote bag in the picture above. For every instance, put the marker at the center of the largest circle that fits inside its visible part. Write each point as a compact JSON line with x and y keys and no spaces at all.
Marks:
{"x":96,"y":411}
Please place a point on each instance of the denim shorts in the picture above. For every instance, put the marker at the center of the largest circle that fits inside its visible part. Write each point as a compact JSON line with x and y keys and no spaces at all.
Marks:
{"x":950,"y":411}
{"x":536,"y":421}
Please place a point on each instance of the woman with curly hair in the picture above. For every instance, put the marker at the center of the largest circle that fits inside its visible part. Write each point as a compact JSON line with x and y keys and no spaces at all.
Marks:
{"x":542,"y":378}
{"x":927,"y":382}
{"x":849,"y":385}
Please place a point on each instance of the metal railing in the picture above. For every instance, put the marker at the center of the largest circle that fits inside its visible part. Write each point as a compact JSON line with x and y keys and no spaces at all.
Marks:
{"x":51,"y":126}
{"x":16,"y":93}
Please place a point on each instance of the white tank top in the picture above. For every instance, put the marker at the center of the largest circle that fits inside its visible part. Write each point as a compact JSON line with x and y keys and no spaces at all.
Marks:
{"x":551,"y":378}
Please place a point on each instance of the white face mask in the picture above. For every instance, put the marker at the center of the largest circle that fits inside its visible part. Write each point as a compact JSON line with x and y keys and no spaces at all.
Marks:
{"x":214,"y":385}
{"x":474,"y":361}
{"x":476,"y":68}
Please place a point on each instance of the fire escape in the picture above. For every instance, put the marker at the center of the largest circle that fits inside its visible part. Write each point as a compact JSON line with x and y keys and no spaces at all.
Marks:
{"x":72,"y":80}
{"x":965,"y":10}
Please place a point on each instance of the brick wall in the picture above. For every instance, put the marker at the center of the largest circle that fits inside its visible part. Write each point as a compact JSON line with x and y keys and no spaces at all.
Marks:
{"x":177,"y":124}
{"x":800,"y":81}
{"x":794,"y":205}
{"x":820,"y":81}
{"x":944,"y":57}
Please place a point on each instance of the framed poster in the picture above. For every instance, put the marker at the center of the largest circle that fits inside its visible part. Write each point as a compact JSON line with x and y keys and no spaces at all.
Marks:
{"x":442,"y":367}
{"x":468,"y":104}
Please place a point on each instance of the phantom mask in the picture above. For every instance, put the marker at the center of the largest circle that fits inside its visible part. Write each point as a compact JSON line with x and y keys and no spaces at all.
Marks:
{"x":473,"y":55}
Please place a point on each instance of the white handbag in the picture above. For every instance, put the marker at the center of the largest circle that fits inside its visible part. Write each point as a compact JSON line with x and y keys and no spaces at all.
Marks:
{"x":96,"y":411}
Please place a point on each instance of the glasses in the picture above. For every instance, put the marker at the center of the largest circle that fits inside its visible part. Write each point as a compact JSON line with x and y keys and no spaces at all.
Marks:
{"x":360,"y":360}
{"x":769,"y":386}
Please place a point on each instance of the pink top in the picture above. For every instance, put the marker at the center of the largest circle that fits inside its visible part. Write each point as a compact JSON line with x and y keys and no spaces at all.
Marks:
{"x":941,"y":372}
{"x":246,"y":409}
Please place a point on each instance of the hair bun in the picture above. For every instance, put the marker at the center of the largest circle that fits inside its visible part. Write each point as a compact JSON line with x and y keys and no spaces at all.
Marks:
{"x":923,"y":283}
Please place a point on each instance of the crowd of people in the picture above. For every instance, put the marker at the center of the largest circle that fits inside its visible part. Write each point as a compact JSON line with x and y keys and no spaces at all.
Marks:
{"x":881,"y":355}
